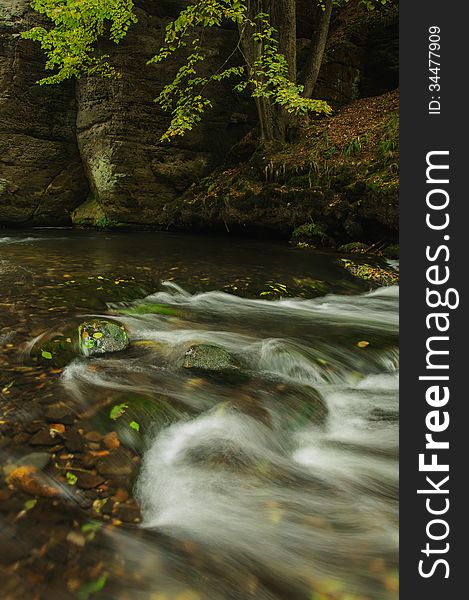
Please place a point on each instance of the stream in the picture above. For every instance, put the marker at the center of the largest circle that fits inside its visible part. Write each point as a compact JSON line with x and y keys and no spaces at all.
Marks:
{"x":277,"y":482}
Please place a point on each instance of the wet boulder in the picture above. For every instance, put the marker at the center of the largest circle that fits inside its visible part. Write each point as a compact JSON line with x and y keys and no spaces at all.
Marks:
{"x":375,"y":275}
{"x":212,"y":360}
{"x":101,"y":336}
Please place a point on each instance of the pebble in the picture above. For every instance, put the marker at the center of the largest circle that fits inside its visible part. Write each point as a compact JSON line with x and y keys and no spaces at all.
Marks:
{"x":111,"y":441}
{"x":93,"y":436}
{"x":88,"y":480}
{"x":107,"y":507}
{"x":42,"y":438}
{"x":88,"y":461}
{"x":21,"y":438}
{"x":116,"y":464}
{"x":128,"y":513}
{"x":73,"y":441}
{"x":60,"y":414}
{"x":34,"y":426}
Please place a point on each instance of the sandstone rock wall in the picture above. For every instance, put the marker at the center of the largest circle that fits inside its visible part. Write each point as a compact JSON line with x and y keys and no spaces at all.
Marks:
{"x":41,"y":173}
{"x":132,"y":174}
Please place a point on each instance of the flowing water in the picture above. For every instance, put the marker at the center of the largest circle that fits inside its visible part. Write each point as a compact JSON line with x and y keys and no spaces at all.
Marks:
{"x":279,"y":484}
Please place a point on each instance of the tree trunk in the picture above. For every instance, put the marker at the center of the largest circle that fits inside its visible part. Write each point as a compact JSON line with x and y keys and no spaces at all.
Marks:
{"x":283,"y":19}
{"x":252,"y":50}
{"x":310,"y":72}
{"x":273,"y":119}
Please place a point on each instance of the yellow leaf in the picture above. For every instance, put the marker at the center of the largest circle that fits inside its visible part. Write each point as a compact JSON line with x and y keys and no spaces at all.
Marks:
{"x":363,"y":344}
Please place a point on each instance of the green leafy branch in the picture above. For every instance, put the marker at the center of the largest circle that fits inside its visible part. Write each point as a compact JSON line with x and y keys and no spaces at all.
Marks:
{"x":70,"y":44}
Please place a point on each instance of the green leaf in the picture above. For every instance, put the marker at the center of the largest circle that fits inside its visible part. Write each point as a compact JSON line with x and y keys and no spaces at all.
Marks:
{"x":92,"y":587}
{"x":91,"y":526}
{"x":29,"y":504}
{"x":71,"y":478}
{"x":135,"y":425}
{"x":118,"y":410}
{"x":46,"y":354}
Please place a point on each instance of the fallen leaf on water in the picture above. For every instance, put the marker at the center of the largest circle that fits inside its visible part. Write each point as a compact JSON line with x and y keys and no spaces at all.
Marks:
{"x":92,"y":587}
{"x":118,"y":410}
{"x":90,"y":529}
{"x":56,"y":429}
{"x":29,"y":504}
{"x":71,"y":478}
{"x":363,"y":344}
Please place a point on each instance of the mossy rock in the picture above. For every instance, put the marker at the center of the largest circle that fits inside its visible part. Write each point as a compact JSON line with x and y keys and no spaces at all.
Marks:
{"x":91,"y":214}
{"x":375,"y":274}
{"x":310,"y":235}
{"x":354,"y":248}
{"x":212,"y":360}
{"x":101,"y":336}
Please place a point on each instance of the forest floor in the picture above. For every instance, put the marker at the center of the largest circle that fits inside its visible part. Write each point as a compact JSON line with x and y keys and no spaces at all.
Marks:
{"x":339,"y":180}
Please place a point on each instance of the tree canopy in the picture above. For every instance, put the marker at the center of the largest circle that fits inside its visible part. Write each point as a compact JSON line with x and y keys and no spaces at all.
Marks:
{"x":266,"y":54}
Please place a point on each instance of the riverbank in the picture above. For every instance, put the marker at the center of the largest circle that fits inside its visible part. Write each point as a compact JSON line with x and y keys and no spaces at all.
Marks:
{"x":338,"y":184}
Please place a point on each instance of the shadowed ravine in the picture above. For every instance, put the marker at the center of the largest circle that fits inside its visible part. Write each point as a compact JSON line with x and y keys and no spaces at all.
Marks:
{"x":277,"y":481}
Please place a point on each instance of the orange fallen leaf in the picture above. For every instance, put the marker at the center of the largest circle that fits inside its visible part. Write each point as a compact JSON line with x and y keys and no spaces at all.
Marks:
{"x":56,"y":429}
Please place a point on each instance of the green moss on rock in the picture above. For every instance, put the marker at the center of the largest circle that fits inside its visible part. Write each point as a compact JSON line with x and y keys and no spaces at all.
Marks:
{"x":100,"y":337}
{"x":91,"y":214}
{"x":375,"y":274}
{"x":354,"y":248}
{"x":212,"y":360}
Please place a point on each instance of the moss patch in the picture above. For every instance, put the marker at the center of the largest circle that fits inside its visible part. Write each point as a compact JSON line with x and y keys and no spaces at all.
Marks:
{"x":374,"y":274}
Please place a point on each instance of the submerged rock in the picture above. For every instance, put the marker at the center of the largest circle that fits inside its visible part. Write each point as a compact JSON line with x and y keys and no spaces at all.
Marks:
{"x":211,"y":360}
{"x":100,"y":337}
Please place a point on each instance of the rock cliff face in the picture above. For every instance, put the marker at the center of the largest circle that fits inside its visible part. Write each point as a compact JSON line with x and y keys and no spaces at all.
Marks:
{"x":41,"y":173}
{"x":132,"y":175}
{"x":90,"y":151}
